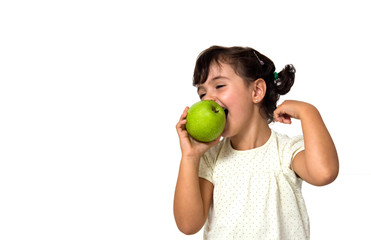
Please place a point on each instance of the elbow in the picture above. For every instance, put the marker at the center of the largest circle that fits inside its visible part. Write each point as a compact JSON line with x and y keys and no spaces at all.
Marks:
{"x":188,"y":223}
{"x":324,"y":174}
{"x":325,"y":178}
{"x":189,"y":226}
{"x":323,"y":181}
{"x":188,"y":229}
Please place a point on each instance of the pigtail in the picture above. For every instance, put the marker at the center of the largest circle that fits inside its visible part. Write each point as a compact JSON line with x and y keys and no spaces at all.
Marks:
{"x":285,"y":79}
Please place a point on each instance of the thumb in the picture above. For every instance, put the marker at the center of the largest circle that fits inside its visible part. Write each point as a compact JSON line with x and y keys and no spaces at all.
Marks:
{"x":216,"y":141}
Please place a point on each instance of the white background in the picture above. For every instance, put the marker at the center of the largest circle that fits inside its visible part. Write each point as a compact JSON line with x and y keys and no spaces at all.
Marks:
{"x":90,"y":92}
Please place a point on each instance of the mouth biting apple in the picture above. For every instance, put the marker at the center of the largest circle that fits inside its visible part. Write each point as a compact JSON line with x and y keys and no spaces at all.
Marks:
{"x":226,"y":112}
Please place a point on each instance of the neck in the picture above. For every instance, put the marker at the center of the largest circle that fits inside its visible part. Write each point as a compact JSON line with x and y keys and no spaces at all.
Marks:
{"x":253,"y":136}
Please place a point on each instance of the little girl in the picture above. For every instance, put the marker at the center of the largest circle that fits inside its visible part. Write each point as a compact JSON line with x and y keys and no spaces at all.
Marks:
{"x":248,"y":185}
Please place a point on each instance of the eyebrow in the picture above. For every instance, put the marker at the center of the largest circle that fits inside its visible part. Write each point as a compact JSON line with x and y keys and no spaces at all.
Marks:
{"x":213,"y":79}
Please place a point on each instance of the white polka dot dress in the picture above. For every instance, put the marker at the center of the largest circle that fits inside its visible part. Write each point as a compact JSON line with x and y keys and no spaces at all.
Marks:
{"x":256,"y":193}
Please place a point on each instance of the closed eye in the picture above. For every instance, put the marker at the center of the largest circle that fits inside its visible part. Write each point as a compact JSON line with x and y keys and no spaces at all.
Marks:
{"x":202,"y":95}
{"x":219,"y":86}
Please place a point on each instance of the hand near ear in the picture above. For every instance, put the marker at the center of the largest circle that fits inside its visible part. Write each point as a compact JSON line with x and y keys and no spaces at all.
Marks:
{"x":290,"y":109}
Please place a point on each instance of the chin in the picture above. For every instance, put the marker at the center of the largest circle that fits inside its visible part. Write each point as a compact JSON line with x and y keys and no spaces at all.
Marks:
{"x":229,"y":132}
{"x":226,"y":134}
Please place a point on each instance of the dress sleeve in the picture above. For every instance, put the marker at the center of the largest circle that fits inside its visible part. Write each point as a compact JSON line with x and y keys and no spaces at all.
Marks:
{"x":206,"y":168}
{"x":294,"y":146}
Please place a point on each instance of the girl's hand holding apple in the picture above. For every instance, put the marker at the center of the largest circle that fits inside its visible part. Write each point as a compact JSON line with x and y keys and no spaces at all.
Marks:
{"x":190,"y":147}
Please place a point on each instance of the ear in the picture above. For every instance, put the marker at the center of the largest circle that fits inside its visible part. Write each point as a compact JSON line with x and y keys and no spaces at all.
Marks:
{"x":259,"y":90}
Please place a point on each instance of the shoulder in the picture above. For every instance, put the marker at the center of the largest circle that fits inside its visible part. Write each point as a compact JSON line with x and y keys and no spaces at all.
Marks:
{"x":286,"y":142}
{"x":208,"y":161}
{"x":289,"y":147}
{"x":213,"y":153}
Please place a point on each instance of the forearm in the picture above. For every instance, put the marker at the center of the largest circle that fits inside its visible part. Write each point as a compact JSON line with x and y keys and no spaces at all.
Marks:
{"x":320,"y":153}
{"x":188,"y":204}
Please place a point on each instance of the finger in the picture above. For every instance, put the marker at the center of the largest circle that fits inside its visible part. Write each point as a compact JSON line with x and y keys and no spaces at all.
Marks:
{"x":280,"y":112}
{"x":184,"y":114}
{"x":180,"y":126}
{"x":216,"y":141}
{"x":284,"y":118}
{"x":181,"y":123}
{"x":277,"y":109}
{"x":276,"y":115}
{"x":287,"y":121}
{"x":278,"y":119}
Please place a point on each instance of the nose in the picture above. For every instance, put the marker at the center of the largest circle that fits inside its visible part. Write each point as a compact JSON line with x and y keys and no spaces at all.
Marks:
{"x":210,"y":94}
{"x":212,"y":98}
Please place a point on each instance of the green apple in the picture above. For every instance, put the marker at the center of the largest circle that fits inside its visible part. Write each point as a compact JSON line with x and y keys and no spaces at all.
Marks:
{"x":205,"y":121}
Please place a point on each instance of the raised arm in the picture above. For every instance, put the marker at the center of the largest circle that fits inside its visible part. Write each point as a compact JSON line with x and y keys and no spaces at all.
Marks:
{"x":193,"y":195}
{"x":318,"y":164}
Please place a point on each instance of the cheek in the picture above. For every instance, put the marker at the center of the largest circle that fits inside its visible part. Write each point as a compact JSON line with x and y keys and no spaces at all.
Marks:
{"x":238,"y":103}
{"x":240,"y":109}
{"x":237,"y":99}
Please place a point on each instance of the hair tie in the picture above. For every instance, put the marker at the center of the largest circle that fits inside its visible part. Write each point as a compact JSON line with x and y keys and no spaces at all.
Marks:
{"x":275,"y":75}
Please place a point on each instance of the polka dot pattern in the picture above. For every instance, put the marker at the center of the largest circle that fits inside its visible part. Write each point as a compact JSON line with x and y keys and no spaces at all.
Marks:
{"x":256,"y":193}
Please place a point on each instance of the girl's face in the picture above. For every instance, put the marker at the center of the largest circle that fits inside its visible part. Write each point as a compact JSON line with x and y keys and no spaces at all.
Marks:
{"x":231,"y":92}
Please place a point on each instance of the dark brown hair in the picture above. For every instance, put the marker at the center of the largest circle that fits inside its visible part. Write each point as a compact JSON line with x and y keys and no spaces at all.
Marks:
{"x":250,"y":65}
